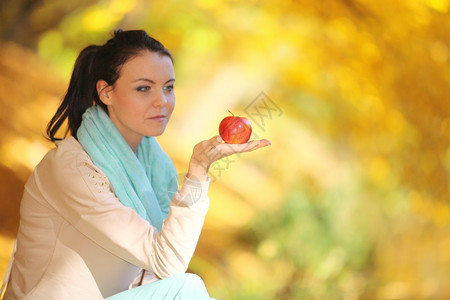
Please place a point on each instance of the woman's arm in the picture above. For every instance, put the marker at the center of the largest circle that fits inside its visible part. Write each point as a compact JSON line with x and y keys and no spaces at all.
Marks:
{"x":82,"y":195}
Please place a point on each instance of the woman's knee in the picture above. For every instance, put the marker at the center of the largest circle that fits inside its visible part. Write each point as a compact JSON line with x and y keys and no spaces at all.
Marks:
{"x":194,"y":278}
{"x":193,"y":284}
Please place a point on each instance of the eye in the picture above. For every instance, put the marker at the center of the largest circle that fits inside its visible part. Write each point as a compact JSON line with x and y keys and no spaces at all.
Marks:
{"x":144,"y":88}
{"x":169,"y":88}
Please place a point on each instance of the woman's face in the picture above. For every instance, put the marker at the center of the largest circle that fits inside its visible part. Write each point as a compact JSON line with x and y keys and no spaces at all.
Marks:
{"x":142,"y":99}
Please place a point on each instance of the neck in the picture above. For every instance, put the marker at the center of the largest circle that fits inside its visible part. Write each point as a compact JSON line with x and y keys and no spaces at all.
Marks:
{"x":134,"y":144}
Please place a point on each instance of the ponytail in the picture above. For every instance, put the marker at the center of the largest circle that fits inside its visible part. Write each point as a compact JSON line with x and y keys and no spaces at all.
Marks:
{"x":79,"y":96}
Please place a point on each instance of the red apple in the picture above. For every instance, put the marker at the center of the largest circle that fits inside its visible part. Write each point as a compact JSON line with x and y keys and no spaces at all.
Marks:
{"x":235,"y":130}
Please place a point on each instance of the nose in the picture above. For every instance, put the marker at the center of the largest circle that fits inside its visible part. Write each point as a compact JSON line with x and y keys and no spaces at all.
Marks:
{"x":160,"y":99}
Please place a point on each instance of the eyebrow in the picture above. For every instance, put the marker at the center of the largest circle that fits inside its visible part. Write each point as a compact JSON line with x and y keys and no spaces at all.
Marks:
{"x":153,"y":82}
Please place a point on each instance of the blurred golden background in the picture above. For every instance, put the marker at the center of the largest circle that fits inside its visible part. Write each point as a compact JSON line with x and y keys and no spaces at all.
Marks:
{"x":352,"y":199}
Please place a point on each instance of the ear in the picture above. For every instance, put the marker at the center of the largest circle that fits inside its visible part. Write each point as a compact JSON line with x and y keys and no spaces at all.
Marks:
{"x":103,"y":91}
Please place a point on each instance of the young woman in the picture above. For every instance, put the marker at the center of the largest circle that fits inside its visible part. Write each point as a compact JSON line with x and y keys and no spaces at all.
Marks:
{"x":102,"y":215}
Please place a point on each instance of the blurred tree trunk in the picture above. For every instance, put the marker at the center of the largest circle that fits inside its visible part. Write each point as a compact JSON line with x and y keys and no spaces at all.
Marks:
{"x":23,"y":21}
{"x":15,"y":21}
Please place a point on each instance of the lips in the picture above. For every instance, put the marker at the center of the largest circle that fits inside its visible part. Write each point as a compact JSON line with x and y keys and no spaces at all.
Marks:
{"x":158,"y":118}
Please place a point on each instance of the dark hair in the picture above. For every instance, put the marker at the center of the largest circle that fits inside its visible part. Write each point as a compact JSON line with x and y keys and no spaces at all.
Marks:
{"x":96,"y":63}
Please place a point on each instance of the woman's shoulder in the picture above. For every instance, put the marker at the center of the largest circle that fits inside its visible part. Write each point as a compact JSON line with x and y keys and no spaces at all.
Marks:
{"x":64,"y":156}
{"x":65,"y":150}
{"x":68,"y":166}
{"x":69,"y":145}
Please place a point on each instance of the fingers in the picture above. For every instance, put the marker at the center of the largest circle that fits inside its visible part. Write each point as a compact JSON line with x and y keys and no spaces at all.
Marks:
{"x":212,"y":143}
{"x":208,"y":151}
{"x":216,"y":139}
{"x":253,"y":145}
{"x":228,"y":149}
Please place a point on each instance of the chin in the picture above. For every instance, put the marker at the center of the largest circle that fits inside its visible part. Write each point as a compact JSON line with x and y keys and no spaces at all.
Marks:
{"x":155,"y":132}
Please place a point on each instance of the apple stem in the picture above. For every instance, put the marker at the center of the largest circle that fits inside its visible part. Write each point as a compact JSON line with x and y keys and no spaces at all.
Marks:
{"x":231,"y":113}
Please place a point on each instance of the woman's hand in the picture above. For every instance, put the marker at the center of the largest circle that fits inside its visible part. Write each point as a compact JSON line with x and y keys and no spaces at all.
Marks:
{"x":207,"y":152}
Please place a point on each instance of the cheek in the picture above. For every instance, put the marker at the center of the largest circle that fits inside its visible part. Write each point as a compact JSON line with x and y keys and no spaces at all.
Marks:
{"x":170,"y":104}
{"x":127,"y":103}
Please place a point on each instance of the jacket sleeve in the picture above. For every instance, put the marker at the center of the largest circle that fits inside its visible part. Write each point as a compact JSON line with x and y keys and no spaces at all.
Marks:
{"x":83,"y":196}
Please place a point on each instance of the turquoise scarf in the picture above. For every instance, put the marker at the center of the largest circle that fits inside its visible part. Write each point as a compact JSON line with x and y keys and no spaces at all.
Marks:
{"x":145,"y":181}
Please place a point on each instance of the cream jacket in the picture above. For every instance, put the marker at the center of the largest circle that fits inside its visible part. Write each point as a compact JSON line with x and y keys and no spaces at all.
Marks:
{"x":77,"y":241}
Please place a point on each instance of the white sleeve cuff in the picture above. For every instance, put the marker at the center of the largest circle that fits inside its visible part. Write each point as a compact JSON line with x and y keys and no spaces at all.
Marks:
{"x":193,"y":191}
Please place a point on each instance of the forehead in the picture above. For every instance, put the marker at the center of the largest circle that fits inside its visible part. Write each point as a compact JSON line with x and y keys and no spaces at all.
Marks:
{"x":149,"y":65}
